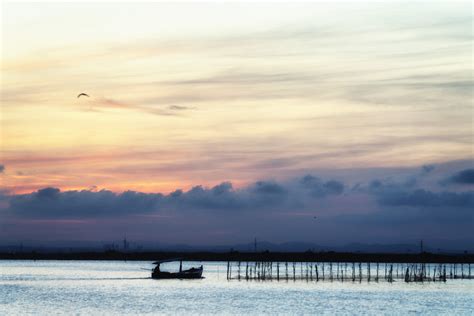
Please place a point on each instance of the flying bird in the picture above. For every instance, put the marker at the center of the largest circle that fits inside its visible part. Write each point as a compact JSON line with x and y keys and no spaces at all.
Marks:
{"x":82,"y":94}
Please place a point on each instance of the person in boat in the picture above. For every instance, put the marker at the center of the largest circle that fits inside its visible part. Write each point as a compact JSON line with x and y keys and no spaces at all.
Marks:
{"x":195,"y":269}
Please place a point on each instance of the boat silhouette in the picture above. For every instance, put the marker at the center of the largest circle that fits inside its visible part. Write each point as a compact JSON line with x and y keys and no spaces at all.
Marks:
{"x":192,"y":273}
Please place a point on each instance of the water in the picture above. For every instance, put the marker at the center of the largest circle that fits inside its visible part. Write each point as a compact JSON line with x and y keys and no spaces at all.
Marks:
{"x":118,"y":287}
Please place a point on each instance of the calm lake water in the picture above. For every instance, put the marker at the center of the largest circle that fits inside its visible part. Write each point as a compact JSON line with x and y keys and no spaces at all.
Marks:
{"x":118,"y":287}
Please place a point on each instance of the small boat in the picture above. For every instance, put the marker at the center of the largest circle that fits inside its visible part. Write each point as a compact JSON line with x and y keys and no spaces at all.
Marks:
{"x":193,"y":273}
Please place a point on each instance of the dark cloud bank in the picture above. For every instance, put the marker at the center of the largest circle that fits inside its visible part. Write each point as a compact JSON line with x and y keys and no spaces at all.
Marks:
{"x":379,"y":210}
{"x":305,"y":192}
{"x":462,"y":177}
{"x":222,"y":198}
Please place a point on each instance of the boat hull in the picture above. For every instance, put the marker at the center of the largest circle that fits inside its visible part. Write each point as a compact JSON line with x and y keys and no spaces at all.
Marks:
{"x":194,"y":273}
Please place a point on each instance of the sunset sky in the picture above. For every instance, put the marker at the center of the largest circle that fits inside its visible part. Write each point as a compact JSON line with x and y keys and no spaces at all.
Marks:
{"x":263,"y":115}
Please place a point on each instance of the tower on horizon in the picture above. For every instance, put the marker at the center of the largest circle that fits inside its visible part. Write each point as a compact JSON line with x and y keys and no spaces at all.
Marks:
{"x":125,"y":243}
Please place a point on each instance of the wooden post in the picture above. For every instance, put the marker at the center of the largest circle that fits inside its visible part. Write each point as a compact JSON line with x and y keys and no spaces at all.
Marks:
{"x":368,"y":271}
{"x":353,"y":272}
{"x":390,"y":273}
{"x":294,"y":271}
{"x":377,"y":276}
{"x":307,"y":272}
{"x":330,"y":271}
{"x":278,"y":271}
{"x":238,"y":276}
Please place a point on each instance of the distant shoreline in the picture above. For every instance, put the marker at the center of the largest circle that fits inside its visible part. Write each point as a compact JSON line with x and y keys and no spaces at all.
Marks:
{"x":245,"y":256}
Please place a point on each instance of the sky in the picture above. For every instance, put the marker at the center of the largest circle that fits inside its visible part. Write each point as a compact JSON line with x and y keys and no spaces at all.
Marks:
{"x":214,"y":123}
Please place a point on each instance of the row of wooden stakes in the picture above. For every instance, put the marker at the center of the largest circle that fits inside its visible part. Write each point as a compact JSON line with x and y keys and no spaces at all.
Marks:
{"x":346,"y":271}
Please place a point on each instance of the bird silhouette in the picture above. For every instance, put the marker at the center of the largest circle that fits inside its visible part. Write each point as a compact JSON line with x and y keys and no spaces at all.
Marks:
{"x":82,"y":94}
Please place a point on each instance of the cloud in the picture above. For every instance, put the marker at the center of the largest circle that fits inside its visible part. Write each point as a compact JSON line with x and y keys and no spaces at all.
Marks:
{"x":423,"y":198}
{"x":2,"y":168}
{"x":268,"y":188}
{"x":425,"y":169}
{"x":111,"y":104}
{"x":318,"y":188}
{"x":462,"y":177}
{"x":306,"y":192}
{"x":53,"y":203}
{"x":179,"y":108}
{"x":379,"y":208}
{"x":408,"y":193}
